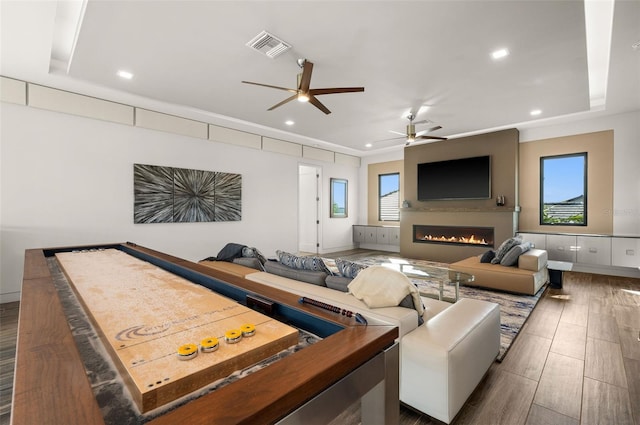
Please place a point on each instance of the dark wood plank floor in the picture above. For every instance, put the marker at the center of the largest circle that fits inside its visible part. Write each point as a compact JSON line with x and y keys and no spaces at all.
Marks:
{"x":576,"y":360}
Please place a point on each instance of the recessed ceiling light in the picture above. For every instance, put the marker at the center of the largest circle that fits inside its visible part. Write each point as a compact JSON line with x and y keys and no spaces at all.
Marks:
{"x":535,"y":112}
{"x":500,"y":53}
{"x":125,"y":74}
{"x":289,"y":122}
{"x":368,"y":145}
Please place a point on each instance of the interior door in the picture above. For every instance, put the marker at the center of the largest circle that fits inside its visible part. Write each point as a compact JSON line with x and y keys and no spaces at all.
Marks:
{"x":309,"y":178}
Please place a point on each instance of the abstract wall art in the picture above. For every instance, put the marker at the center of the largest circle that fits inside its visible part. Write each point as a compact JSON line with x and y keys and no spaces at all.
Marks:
{"x":180,"y":195}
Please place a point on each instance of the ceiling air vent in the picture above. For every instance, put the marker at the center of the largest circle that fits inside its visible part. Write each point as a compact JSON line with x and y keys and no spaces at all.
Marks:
{"x":268,"y":44}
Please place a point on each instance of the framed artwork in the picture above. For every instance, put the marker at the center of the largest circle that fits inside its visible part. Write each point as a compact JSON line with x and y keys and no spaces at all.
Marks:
{"x":180,"y":195}
{"x":339,"y":197}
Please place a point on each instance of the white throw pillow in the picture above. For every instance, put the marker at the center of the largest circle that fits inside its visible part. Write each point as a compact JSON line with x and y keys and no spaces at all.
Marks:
{"x":379,"y":286}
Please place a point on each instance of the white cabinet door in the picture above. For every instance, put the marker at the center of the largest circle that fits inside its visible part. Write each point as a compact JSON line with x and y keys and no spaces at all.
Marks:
{"x":562,"y":248}
{"x":538,"y":240}
{"x":594,"y":250}
{"x":370,"y":235}
{"x":394,"y":236}
{"x":382,"y":235}
{"x":625,"y":252}
{"x":358,"y":233}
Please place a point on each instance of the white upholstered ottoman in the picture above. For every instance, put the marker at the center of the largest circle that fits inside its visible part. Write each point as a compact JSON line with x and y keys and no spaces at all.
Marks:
{"x":442,"y":361}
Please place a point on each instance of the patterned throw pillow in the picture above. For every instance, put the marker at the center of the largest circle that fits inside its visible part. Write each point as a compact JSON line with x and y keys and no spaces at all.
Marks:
{"x":315,"y":264}
{"x":289,"y":260}
{"x":348,"y":268}
{"x":311,"y":263}
{"x":505,"y":247}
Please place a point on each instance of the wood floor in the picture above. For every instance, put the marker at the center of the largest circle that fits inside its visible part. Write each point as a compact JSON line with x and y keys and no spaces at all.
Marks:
{"x":576,"y":361}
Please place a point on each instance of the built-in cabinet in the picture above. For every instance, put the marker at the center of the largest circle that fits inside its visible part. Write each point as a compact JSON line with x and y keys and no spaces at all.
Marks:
{"x":619,"y":251}
{"x":376,"y":235}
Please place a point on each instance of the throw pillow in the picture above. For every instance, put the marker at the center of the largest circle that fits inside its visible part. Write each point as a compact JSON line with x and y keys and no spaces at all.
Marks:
{"x":505,"y":247}
{"x":250,"y":252}
{"x":488,"y":256}
{"x":379,"y":286}
{"x":511,"y":257}
{"x":348,"y":268}
{"x":289,"y":260}
{"x":315,"y":264}
{"x":311,"y":263}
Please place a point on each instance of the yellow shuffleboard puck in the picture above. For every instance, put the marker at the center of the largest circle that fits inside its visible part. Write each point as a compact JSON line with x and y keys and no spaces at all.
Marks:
{"x":187,"y":351}
{"x":209,"y":345}
{"x":248,"y":330}
{"x":233,"y":336}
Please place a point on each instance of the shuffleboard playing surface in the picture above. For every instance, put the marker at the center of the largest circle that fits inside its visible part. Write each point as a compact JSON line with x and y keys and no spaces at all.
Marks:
{"x":144,"y":313}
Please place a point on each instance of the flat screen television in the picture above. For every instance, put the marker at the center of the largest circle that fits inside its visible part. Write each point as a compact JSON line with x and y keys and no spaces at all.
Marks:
{"x":464,"y":178}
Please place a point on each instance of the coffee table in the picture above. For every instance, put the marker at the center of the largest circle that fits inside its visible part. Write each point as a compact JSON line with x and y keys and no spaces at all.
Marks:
{"x":451,"y":277}
{"x":441,"y":275}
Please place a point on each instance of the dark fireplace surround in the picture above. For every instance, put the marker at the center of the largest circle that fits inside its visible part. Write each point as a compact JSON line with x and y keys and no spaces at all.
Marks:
{"x":454,"y":235}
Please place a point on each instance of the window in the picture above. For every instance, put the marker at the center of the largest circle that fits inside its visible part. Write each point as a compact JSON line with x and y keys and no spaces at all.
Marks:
{"x":389,"y":197}
{"x":339,"y":198}
{"x":563,"y":190}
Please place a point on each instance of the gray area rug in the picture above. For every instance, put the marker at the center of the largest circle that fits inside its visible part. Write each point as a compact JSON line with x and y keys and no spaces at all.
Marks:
{"x":514,"y":308}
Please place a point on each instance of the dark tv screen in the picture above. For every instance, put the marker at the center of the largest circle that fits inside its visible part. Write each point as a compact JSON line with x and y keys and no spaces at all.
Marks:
{"x":465,"y":178}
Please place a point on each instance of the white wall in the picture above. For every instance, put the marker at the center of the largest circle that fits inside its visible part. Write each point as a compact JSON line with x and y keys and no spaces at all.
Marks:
{"x":68,"y":180}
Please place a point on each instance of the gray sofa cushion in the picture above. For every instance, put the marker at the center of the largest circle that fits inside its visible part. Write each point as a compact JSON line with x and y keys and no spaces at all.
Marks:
{"x":339,"y":283}
{"x":308,"y":276}
{"x":254,"y":263}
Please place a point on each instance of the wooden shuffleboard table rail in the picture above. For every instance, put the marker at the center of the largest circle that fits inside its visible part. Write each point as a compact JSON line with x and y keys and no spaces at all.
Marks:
{"x":51,"y":385}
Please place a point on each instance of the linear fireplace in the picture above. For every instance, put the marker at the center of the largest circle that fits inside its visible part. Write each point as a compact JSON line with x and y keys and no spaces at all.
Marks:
{"x":453,"y":235}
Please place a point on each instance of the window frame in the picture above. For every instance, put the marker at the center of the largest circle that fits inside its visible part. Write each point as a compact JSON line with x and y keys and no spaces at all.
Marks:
{"x":380,"y":176}
{"x":584,"y":155}
{"x":339,"y":195}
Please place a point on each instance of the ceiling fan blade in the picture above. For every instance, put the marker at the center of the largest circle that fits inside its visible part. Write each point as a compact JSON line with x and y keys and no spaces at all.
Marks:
{"x":430,"y":138}
{"x":397,"y":132}
{"x":317,"y":92}
{"x":421,"y":122}
{"x":319,"y":105}
{"x":305,"y":81}
{"x":428,"y":130}
{"x":273,"y":87}
{"x":289,"y":99}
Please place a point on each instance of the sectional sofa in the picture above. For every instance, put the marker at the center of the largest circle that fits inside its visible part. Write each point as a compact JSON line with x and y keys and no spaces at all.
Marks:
{"x":443,"y":357}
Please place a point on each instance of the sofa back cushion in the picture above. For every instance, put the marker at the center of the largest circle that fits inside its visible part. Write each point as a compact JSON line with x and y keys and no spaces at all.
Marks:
{"x":308,"y":276}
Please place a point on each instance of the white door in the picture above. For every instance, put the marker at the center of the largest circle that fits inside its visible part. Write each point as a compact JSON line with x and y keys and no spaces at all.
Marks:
{"x":309,"y":178}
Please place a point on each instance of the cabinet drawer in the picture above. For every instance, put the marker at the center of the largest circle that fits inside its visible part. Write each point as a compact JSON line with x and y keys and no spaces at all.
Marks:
{"x":382,"y":235}
{"x":594,"y":250}
{"x":562,"y":248}
{"x":358,"y":233}
{"x":625,"y":252}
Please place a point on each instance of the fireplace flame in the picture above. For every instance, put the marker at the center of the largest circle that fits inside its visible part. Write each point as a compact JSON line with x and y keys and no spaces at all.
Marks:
{"x":456,"y":239}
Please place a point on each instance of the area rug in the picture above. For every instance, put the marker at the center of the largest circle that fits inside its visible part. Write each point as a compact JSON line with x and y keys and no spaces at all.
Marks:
{"x":514,"y":308}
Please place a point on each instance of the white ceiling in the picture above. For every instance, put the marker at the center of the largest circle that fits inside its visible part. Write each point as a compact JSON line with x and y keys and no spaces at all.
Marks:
{"x":406,"y":54}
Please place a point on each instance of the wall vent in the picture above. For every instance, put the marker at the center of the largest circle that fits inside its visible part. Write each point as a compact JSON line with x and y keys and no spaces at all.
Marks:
{"x":269,"y":44}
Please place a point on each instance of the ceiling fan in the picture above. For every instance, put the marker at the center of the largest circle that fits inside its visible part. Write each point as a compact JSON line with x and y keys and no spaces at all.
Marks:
{"x":303,"y":92}
{"x":412,"y":136}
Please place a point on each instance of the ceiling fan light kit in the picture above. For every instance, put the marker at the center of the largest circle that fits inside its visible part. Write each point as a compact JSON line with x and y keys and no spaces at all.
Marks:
{"x":303,"y":92}
{"x":411,"y":136}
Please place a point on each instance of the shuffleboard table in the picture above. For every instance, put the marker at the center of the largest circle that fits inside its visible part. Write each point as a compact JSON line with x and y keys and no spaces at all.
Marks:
{"x":140,"y":304}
